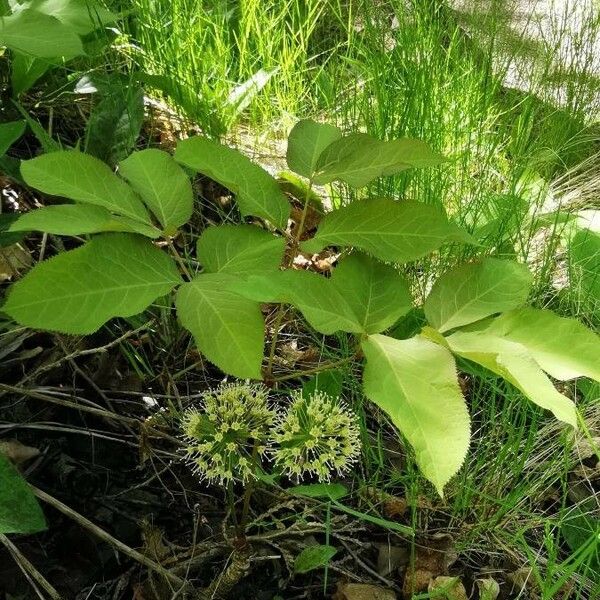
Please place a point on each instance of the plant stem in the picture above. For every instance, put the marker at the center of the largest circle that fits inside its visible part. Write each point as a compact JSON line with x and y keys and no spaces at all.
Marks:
{"x":231,"y":502}
{"x":247,"y":495}
{"x":300,"y":230}
{"x":294,"y":249}
{"x":179,"y":260}
{"x":273,"y":347}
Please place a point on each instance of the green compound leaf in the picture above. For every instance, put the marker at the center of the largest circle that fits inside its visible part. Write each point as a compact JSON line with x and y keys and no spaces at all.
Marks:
{"x":563,"y":347}
{"x":19,"y":509}
{"x":306,"y":142}
{"x":228,"y":329}
{"x":358,"y":159}
{"x":512,"y":361}
{"x":84,"y":178}
{"x":113,"y":275}
{"x":414,"y":381}
{"x":162,"y":184}
{"x":9,"y":134}
{"x":78,"y":219}
{"x":36,"y":34}
{"x":257,"y":193}
{"x":391,"y":231}
{"x":376,"y":294}
{"x":313,"y":557}
{"x":239,"y":249}
{"x":471,"y":292}
{"x":81,"y":16}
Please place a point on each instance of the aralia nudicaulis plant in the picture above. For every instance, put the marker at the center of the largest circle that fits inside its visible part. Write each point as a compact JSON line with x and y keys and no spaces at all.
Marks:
{"x":476,"y":311}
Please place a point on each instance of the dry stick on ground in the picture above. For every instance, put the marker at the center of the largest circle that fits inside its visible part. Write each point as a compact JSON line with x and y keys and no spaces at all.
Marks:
{"x":105,"y":536}
{"x":99,"y":412}
{"x":85,"y":352}
{"x":31,"y":573}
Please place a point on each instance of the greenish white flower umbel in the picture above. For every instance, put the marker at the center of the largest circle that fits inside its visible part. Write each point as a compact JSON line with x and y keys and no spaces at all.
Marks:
{"x":317,"y":436}
{"x":227,"y":434}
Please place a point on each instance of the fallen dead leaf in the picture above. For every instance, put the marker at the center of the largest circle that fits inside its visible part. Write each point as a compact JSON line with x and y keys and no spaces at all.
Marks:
{"x":390,"y":558}
{"x":291,"y":354}
{"x":489,"y":589}
{"x":520,"y":579}
{"x":361,"y":591}
{"x":586,"y":448}
{"x":431,"y":561}
{"x":154,"y":545}
{"x":451,"y":587}
{"x":17,"y":452}
{"x":13,"y":260}
{"x":391,"y":506}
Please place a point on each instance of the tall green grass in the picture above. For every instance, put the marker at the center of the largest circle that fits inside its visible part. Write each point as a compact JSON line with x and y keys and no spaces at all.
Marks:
{"x":216,"y":59}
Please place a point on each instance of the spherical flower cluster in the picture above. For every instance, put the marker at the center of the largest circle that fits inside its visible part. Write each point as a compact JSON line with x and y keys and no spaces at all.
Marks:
{"x":227,"y":434}
{"x":318,"y":435}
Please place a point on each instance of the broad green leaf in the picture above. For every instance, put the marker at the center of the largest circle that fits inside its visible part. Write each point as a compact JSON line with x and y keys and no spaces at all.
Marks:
{"x":47,"y":142}
{"x":512,"y":361}
{"x":322,"y":305}
{"x":306,"y":142}
{"x":8,"y":238}
{"x":228,"y":329}
{"x":326,"y":491}
{"x":313,"y":557}
{"x":19,"y":509}
{"x":358,"y":159}
{"x":240,"y":249}
{"x":9,"y":134}
{"x":563,"y":347}
{"x":162,"y":184}
{"x":377,"y":294}
{"x":126,"y":224}
{"x":84,"y":178}
{"x":471,"y":292}
{"x":414,"y":381}
{"x":81,"y":16}
{"x":113,"y":275}
{"x":77,"y":219}
{"x":257,"y":193}
{"x":39,"y":35}
{"x":64,"y":219}
{"x":328,"y":382}
{"x":391,"y":231}
{"x":362,"y":296}
{"x":25,"y":71}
